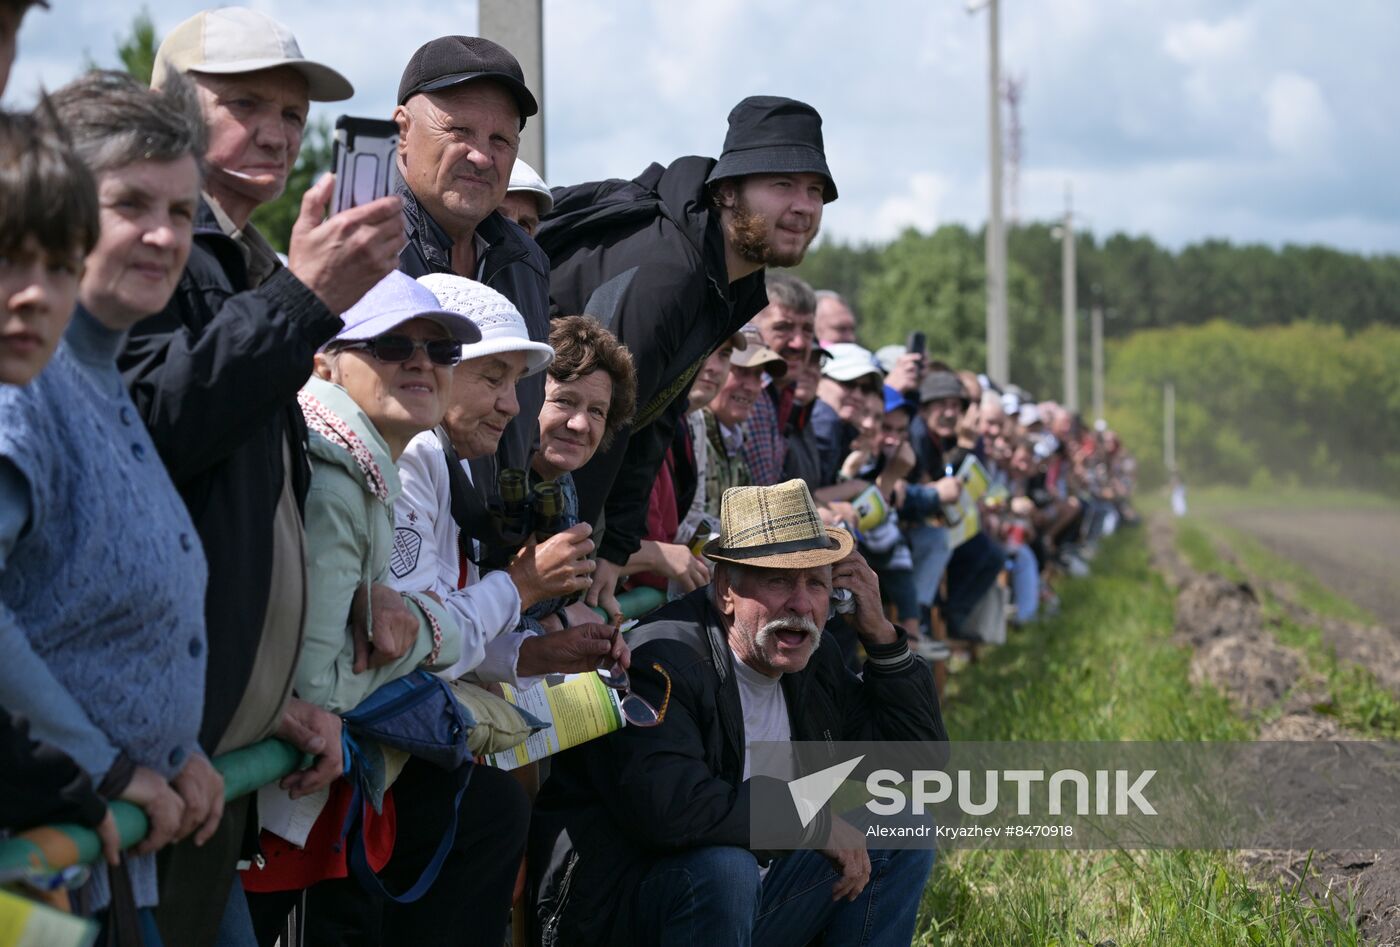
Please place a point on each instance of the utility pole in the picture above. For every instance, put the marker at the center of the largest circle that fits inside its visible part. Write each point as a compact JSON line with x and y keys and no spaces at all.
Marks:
{"x":1096,"y":340}
{"x":518,"y":25}
{"x":998,"y":343}
{"x":1169,"y":427}
{"x":1071,"y":333}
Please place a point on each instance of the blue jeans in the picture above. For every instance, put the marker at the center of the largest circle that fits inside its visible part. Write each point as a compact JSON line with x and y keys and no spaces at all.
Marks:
{"x":236,"y":927}
{"x":929,"y":545}
{"x":1025,"y":581}
{"x":715,"y":897}
{"x":146,"y":921}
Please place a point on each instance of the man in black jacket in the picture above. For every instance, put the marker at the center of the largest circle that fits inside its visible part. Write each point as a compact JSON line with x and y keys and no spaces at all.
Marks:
{"x":672,"y":263}
{"x":462,"y":105}
{"x":659,"y":817}
{"x":215,"y":377}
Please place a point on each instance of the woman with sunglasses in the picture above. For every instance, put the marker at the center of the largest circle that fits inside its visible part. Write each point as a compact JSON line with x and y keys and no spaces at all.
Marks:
{"x":383,"y":379}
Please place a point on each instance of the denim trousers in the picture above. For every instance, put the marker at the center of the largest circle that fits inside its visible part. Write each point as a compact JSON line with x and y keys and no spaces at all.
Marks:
{"x":715,"y":896}
{"x":1025,"y":582}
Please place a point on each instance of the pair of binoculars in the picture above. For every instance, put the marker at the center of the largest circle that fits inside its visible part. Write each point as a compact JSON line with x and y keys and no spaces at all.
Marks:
{"x":524,"y":511}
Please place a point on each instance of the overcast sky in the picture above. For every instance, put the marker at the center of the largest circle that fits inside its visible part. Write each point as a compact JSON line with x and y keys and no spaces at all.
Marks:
{"x":1256,"y":120}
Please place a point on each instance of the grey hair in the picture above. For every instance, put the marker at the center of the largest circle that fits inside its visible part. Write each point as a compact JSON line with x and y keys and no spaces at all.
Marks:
{"x":115,"y":120}
{"x":834,"y":295}
{"x":734,"y":575}
{"x":790,"y":292}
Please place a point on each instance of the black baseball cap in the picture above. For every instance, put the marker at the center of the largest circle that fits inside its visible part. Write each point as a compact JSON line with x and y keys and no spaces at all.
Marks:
{"x":452,"y":60}
{"x":769,"y":134}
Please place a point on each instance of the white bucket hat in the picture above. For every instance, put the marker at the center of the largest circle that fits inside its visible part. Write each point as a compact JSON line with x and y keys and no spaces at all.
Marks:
{"x":501,"y":324}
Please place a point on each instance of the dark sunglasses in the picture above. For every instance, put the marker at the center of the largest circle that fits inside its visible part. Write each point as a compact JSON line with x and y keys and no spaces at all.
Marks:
{"x":400,"y":348}
{"x":868,"y":387}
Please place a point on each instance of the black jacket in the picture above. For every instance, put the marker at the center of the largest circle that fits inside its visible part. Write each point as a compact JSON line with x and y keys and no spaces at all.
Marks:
{"x":647,"y":258}
{"x":514,"y":267}
{"x":642,"y":793}
{"x":40,"y":784}
{"x":215,"y":377}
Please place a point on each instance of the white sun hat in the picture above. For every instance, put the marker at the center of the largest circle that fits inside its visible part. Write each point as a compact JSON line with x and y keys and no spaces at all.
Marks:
{"x":501,"y":324}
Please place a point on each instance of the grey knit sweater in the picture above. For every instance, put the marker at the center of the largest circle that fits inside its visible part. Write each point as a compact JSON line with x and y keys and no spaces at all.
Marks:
{"x":102,"y":586}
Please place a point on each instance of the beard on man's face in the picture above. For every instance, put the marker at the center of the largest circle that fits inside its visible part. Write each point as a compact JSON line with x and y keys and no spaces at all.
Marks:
{"x":747,"y":231}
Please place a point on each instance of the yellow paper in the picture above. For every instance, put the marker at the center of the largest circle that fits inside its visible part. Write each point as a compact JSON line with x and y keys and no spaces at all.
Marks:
{"x":24,"y":923}
{"x":580,"y":708}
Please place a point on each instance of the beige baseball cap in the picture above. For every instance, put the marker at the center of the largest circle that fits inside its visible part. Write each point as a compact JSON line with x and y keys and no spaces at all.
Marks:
{"x":232,"y":40}
{"x":756,"y":356}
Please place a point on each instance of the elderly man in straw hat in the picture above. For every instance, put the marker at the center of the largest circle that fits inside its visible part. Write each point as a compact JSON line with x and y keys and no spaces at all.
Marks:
{"x":657,"y":818}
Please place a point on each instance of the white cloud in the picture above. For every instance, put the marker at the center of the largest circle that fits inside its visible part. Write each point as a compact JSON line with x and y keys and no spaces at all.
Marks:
{"x":1196,"y":41}
{"x":1251,"y":119}
{"x":918,"y":206}
{"x":1299,"y":120}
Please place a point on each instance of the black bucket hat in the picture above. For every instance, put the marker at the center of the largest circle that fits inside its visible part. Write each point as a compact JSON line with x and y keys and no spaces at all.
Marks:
{"x":769,"y":134}
{"x":452,"y":60}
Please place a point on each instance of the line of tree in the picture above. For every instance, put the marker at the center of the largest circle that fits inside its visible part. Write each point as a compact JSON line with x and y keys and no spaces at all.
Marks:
{"x":937,"y":282}
{"x":1305,"y":403}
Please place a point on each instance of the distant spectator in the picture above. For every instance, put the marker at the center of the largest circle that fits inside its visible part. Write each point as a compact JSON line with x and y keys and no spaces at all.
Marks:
{"x":835,"y":320}
{"x":847,"y":378}
{"x":726,"y":416}
{"x":785,"y":327}
{"x":527,"y":198}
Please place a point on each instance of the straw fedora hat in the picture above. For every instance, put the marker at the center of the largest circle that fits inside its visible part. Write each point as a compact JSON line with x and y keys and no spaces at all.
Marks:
{"x":776,"y":527}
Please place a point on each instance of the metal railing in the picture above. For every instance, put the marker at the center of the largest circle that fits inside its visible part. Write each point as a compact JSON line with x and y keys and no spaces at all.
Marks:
{"x":47,"y":850}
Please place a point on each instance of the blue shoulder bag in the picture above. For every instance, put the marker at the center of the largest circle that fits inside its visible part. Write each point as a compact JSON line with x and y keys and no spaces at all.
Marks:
{"x":418,"y":714}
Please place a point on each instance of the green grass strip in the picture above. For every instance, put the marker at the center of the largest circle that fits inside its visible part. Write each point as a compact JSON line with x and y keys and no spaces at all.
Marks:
{"x":1105,"y":669}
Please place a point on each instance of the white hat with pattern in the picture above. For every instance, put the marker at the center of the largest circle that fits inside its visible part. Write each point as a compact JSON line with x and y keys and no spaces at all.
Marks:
{"x":501,"y":324}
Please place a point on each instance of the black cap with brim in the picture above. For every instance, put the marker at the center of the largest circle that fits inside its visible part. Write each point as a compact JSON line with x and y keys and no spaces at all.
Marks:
{"x":523,"y":99}
{"x":450,"y":61}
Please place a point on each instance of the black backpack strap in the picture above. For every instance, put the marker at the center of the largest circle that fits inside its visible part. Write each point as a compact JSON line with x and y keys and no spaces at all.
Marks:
{"x":469,"y":510}
{"x":602,"y":304}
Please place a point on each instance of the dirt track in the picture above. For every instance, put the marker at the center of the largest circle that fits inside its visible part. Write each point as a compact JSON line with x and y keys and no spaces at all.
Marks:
{"x":1355,"y":553}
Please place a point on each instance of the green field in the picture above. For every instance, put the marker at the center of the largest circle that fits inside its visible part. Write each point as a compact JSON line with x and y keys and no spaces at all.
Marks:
{"x":1106,"y":669}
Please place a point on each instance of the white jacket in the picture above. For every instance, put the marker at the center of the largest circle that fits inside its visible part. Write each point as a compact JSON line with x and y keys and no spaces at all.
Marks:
{"x":426,"y":558}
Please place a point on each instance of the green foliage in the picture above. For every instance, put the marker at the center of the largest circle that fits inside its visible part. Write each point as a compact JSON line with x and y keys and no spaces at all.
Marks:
{"x":137,"y":50}
{"x":936,"y":282}
{"x":275,"y":218}
{"x":1307,"y":402}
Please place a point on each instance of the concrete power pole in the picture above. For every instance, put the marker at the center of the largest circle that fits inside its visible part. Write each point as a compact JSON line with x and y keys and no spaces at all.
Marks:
{"x":1071,"y":332}
{"x":518,"y":25}
{"x":998,"y":341}
{"x":1096,"y":340}
{"x":1169,"y":427}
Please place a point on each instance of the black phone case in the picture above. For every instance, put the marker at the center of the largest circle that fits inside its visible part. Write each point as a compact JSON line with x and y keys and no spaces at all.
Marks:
{"x":363,"y":159}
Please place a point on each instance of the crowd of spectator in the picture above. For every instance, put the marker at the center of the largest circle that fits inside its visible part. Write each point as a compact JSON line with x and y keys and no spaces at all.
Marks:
{"x":246,"y":495}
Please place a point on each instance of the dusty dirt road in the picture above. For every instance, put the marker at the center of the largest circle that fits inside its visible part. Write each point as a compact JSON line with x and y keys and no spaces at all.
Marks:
{"x":1355,"y":553}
